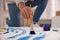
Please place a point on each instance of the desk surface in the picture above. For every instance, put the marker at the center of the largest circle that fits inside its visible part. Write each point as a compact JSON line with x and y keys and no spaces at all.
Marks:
{"x":22,"y":33}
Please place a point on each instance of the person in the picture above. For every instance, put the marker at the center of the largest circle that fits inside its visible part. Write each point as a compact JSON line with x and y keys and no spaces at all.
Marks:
{"x":26,"y":9}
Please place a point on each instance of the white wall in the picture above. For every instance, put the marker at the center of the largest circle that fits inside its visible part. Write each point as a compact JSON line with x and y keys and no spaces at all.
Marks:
{"x":57,"y":5}
{"x":1,"y":14}
{"x":56,"y":19}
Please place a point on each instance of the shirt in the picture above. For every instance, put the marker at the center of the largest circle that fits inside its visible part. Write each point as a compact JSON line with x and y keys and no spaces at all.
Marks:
{"x":16,"y":1}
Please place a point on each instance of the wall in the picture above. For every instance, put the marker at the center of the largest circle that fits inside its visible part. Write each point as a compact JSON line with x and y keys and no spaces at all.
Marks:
{"x":1,"y":14}
{"x":57,"y":5}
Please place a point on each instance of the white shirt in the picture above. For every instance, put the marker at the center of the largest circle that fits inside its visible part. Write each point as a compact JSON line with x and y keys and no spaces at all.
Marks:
{"x":16,"y":1}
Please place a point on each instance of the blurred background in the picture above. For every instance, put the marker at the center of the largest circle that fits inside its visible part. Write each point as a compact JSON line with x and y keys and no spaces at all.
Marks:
{"x":51,"y":14}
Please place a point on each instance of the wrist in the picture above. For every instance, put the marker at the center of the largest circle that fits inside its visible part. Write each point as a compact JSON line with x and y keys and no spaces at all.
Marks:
{"x":21,"y":5}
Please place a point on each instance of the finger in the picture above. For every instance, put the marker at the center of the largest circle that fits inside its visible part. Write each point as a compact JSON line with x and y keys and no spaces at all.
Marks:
{"x":26,"y":12}
{"x":30,"y":11}
{"x":23,"y":14}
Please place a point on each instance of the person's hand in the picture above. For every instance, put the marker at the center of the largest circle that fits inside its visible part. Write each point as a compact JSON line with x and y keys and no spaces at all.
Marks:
{"x":26,"y":12}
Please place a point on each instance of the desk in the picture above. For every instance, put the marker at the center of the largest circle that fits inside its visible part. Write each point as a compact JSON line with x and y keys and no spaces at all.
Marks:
{"x":22,"y":33}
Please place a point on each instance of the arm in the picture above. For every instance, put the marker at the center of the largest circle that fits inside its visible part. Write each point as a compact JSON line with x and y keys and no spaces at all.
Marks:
{"x":39,"y":10}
